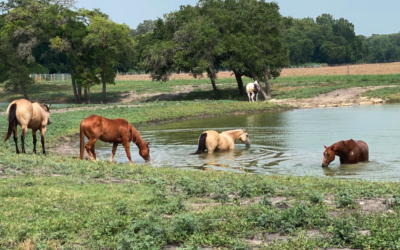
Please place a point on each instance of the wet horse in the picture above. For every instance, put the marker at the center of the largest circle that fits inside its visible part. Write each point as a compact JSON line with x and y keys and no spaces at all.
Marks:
{"x":252,"y":90}
{"x":212,"y":141}
{"x":349,"y":151}
{"x":28,"y":115}
{"x":115,"y":131}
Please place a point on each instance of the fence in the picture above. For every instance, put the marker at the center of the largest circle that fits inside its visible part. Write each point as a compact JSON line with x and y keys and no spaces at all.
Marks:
{"x":51,"y":77}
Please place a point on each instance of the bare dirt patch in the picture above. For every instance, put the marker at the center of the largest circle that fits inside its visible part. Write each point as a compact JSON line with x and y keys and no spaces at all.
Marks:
{"x":267,"y":238}
{"x":373,"y":206}
{"x":340,"y":97}
{"x":68,"y":145}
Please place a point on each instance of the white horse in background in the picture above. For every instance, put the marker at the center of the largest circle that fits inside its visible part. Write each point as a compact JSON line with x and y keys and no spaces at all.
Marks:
{"x":252,"y":90}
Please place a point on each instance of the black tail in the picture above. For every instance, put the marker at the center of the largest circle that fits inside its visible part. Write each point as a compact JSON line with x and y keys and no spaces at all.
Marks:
{"x":202,"y":144}
{"x":12,"y":118}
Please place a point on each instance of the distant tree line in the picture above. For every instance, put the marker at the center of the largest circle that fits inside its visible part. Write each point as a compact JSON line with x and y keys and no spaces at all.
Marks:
{"x":249,"y":37}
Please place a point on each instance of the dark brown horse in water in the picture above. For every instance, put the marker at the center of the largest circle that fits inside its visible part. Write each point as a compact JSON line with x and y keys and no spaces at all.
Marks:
{"x":116,"y":131}
{"x":349,"y":151}
{"x":28,"y":115}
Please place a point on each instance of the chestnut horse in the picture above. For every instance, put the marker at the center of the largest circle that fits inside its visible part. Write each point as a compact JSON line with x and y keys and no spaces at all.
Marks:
{"x":349,"y":151}
{"x":28,"y":115}
{"x":116,"y":131}
{"x":212,"y":141}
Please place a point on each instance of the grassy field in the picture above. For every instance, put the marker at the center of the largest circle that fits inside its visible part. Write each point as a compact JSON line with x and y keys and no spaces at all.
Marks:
{"x":281,"y":88}
{"x":61,"y":202}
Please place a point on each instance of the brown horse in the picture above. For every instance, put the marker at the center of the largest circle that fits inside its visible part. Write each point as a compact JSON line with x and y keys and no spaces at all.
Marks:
{"x":349,"y":151}
{"x":28,"y":115}
{"x":116,"y":131}
{"x":212,"y":141}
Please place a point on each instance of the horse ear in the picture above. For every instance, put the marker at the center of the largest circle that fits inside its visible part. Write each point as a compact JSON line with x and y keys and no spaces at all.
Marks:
{"x":244,"y":130}
{"x":49,"y":105}
{"x":325,"y":146}
{"x":148,"y":143}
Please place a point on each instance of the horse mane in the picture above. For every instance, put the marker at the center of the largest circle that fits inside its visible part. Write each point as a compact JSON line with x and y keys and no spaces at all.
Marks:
{"x":136,"y":138}
{"x":341,"y":145}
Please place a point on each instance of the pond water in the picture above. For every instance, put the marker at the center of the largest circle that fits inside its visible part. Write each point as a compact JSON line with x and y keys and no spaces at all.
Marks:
{"x":284,"y":143}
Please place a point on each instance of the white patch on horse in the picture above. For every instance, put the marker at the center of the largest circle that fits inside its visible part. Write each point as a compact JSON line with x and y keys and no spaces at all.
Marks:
{"x":252,"y":90}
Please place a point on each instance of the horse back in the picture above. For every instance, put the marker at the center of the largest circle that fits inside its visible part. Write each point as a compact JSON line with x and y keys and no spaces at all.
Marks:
{"x":364,"y":150}
{"x":23,"y":112}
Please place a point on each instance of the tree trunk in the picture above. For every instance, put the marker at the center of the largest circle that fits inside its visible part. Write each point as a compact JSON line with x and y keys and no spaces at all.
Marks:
{"x":212,"y":75}
{"x":85,"y":94}
{"x":239,"y":81}
{"x":90,"y":95}
{"x":103,"y":80}
{"x":71,"y":71}
{"x":255,"y":77}
{"x":80,"y":93}
{"x":25,"y":93}
{"x":266,"y":80}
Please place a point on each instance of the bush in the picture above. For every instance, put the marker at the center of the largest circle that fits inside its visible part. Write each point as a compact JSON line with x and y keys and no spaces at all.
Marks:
{"x":185,"y":225}
{"x":345,"y":199}
{"x":316,"y":198}
{"x":221,"y":195}
{"x":192,"y":188}
{"x":266,"y":202}
{"x":142,"y":234}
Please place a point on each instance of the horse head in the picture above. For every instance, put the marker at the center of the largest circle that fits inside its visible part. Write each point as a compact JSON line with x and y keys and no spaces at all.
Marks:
{"x":144,"y":151}
{"x":329,"y":156}
{"x":245,"y":137}
{"x":47,"y":110}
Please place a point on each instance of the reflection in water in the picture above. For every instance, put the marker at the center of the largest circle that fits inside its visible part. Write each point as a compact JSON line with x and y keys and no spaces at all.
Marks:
{"x":289,"y":143}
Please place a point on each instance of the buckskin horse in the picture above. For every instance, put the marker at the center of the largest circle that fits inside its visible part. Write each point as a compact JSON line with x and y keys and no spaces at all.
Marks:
{"x":212,"y":141}
{"x":349,"y":151}
{"x":252,"y":90}
{"x":115,"y":131}
{"x":35,"y":116}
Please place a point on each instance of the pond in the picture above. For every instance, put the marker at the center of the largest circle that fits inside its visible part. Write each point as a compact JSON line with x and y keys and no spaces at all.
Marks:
{"x":284,"y":143}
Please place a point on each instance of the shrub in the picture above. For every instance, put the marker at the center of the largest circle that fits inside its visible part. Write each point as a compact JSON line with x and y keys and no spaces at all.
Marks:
{"x":266,"y":202}
{"x":316,"y":198}
{"x":192,"y":188}
{"x":221,"y":195}
{"x":345,"y":199}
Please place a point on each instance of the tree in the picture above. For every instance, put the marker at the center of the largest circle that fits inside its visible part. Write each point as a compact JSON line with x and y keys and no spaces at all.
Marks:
{"x":108,"y":43}
{"x":144,"y":27}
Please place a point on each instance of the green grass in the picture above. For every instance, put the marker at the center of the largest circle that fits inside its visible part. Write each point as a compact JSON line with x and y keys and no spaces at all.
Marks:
{"x":282,"y":87}
{"x":61,"y":92}
{"x":311,"y":86}
{"x":392,"y":94}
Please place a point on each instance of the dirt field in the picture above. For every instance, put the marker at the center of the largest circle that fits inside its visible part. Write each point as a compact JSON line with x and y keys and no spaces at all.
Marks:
{"x":364,"y":69}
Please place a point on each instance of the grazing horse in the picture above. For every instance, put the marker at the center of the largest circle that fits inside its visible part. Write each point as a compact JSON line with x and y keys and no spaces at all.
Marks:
{"x":28,"y":115}
{"x":349,"y":151}
{"x":116,"y":131}
{"x":212,"y":141}
{"x":252,"y":90}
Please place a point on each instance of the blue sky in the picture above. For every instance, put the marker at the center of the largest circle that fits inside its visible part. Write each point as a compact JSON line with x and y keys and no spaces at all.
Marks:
{"x":368,"y":16}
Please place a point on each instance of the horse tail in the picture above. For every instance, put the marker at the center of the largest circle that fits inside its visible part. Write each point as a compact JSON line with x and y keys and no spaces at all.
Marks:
{"x":202,"y":144}
{"x":81,"y":141}
{"x":12,"y":119}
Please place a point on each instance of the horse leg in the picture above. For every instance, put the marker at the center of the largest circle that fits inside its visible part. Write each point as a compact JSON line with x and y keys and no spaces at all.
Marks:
{"x":256,"y":97}
{"x":127,"y":147}
{"x":114,"y":149}
{"x":42,"y":131}
{"x":248,"y":94}
{"x":92,"y":149}
{"x":89,"y":146}
{"x":15,"y":138}
{"x":252,"y":96}
{"x":24,"y":130}
{"x":34,"y":140}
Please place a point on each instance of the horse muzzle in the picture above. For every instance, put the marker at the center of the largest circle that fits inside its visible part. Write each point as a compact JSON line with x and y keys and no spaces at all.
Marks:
{"x":48,"y":121}
{"x":247,"y":143}
{"x":324,"y":164}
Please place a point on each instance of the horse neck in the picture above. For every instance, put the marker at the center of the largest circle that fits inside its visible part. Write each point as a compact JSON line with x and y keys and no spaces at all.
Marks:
{"x":234,"y":134}
{"x":136,"y":138}
{"x":340,"y":149}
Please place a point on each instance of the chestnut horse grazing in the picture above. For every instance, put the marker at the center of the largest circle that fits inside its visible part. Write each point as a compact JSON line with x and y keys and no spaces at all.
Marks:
{"x":349,"y":151}
{"x":28,"y":115}
{"x":116,"y":131}
{"x":212,"y":141}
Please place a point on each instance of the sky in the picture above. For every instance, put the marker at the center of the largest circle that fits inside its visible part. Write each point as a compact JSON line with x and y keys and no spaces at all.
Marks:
{"x":368,"y":16}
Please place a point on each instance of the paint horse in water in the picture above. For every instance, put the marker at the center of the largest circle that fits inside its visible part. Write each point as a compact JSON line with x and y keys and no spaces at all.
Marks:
{"x":252,"y":90}
{"x":28,"y":115}
{"x":349,"y":151}
{"x":212,"y":141}
{"x":115,"y":131}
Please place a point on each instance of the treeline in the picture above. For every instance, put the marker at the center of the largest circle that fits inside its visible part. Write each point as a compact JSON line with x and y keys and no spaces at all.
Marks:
{"x":250,"y":37}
